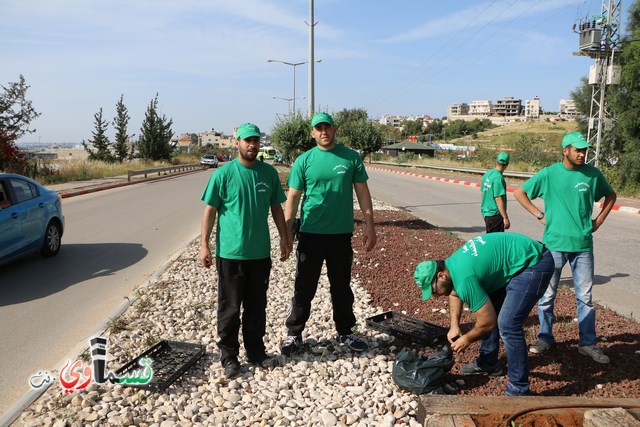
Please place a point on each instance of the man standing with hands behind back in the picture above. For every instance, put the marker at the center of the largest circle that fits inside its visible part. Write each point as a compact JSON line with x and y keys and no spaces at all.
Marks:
{"x":494,"y":196}
{"x":242,"y":192}
{"x":327,"y":175}
{"x":569,"y":189}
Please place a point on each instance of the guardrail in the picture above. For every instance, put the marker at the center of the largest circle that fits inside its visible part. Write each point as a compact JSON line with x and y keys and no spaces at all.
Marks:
{"x":165,"y":170}
{"x":524,"y":175}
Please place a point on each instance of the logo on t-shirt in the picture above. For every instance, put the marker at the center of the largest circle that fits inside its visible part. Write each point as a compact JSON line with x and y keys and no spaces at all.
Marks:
{"x":471,"y":245}
{"x":341,"y":169}
{"x":262,"y":187}
{"x":582,"y":186}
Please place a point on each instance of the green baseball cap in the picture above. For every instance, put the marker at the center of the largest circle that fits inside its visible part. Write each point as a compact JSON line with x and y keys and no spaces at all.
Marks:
{"x":424,"y":274}
{"x":321,"y":117}
{"x":503,"y":158}
{"x":247,"y":130}
{"x":576,"y":139}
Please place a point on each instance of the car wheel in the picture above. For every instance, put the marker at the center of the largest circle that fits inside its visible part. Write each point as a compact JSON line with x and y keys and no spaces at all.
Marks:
{"x":52,"y":240}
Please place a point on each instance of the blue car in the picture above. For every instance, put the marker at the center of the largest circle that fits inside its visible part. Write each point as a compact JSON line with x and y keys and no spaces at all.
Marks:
{"x":31,"y":218}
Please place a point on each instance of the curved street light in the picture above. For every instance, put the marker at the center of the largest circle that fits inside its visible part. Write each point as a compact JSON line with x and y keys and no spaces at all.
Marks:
{"x":289,"y":100}
{"x":293,"y":65}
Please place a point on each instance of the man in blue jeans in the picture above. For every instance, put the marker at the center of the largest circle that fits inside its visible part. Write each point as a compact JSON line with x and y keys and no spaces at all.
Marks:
{"x":569,"y":189}
{"x":500,"y":276}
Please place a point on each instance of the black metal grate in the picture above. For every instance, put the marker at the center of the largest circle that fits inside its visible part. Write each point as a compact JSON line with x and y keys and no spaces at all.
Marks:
{"x":170,"y":360}
{"x":403,"y":326}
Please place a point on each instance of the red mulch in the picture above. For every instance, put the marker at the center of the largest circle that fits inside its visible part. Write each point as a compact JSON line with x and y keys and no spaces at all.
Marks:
{"x":387,"y":273}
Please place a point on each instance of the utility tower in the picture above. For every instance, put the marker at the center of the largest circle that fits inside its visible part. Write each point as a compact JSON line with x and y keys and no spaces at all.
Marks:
{"x":600,"y":40}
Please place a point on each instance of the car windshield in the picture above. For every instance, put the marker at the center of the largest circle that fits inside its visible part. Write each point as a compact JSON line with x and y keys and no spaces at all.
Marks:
{"x":209,"y":156}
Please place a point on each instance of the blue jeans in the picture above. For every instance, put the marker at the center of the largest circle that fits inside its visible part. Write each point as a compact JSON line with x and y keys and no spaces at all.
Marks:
{"x":523,"y":292}
{"x":582,"y":270}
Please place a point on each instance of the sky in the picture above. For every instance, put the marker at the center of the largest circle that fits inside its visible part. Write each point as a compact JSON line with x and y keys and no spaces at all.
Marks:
{"x":208,"y":59}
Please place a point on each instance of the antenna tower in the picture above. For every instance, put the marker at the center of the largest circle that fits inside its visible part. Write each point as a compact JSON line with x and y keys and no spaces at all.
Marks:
{"x":600,"y":40}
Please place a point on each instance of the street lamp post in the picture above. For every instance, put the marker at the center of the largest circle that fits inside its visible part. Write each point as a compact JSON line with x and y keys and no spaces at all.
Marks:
{"x":289,"y":100}
{"x":293,"y":65}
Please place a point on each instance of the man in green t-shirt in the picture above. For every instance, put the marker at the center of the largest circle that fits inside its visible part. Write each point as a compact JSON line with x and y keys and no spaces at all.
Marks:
{"x":494,"y":196}
{"x":241,"y":193}
{"x":569,"y":190}
{"x":500,"y":276}
{"x":327,"y":175}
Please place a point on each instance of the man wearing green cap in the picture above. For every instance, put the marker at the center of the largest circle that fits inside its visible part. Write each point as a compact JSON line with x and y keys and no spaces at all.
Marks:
{"x":241,"y":193}
{"x":327,"y":175}
{"x":494,"y":196}
{"x":569,"y":189}
{"x":500,"y":276}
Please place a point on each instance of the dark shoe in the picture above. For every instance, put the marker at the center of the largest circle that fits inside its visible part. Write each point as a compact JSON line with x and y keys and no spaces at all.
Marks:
{"x":231,"y":368}
{"x":594,"y":352}
{"x":474,"y":369}
{"x":264,"y":361}
{"x":291,"y":345}
{"x":539,"y":347}
{"x":353,"y":341}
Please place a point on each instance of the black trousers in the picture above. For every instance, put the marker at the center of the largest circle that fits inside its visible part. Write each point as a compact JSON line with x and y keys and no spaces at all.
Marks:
{"x":242,"y":283}
{"x":312,"y":251}
{"x":494,"y":223}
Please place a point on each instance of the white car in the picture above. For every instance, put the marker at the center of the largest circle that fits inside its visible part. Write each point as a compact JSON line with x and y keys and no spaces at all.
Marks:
{"x":209,"y":161}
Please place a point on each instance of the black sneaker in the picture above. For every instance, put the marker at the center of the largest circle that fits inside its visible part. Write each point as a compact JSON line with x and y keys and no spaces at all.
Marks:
{"x":474,"y":369}
{"x":264,"y":361}
{"x":291,"y":345}
{"x":231,"y":368}
{"x":353,"y":341}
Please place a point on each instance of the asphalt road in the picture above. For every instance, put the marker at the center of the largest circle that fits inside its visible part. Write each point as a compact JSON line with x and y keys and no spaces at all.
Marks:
{"x":114,"y":240}
{"x":456,"y":208}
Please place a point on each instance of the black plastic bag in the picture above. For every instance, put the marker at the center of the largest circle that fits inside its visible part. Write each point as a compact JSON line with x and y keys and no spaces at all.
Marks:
{"x":422,"y":374}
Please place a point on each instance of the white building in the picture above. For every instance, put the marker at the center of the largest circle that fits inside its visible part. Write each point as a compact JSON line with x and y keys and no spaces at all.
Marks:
{"x":532,"y":108}
{"x":567,"y":108}
{"x":458,"y":109}
{"x":481,"y":108}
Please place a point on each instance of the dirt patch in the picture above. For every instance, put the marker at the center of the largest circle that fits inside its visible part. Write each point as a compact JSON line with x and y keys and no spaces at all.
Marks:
{"x":387,"y":273}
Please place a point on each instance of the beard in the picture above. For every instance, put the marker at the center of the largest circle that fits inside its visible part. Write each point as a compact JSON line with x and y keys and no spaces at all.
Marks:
{"x":246,"y":155}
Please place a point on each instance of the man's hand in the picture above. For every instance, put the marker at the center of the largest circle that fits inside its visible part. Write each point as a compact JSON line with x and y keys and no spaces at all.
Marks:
{"x":460,"y":344}
{"x":286,"y":246}
{"x":453,"y":334}
{"x":507,"y":224}
{"x":369,"y":238}
{"x":205,"y":257}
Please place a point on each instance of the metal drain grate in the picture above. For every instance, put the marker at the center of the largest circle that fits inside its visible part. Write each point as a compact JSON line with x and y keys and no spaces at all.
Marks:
{"x":403,"y":326}
{"x":170,"y":360}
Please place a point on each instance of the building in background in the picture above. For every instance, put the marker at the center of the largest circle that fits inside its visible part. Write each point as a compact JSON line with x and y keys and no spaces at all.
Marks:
{"x":532,"y":109}
{"x":481,"y":108}
{"x":567,"y":108}
{"x":458,"y":109}
{"x":508,"y":107}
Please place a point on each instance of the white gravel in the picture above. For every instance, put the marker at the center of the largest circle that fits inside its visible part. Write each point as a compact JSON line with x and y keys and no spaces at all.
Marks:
{"x":326,"y":385}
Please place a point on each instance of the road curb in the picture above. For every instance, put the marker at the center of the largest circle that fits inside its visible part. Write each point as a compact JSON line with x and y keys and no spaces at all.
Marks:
{"x":98,"y":187}
{"x":600,"y":205}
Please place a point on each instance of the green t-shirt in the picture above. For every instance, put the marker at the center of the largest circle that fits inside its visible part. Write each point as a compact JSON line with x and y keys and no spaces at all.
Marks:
{"x":568,"y":197}
{"x":326,"y":177}
{"x":488,"y":262}
{"x":493,"y":185}
{"x":243,"y":197}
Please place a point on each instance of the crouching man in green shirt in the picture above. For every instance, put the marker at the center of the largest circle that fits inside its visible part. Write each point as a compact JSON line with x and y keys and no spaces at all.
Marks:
{"x":500,"y":276}
{"x":242,"y":192}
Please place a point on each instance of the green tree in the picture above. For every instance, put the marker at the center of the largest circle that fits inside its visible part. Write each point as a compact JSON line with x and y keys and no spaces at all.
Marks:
{"x":120,"y":123}
{"x":349,"y":115}
{"x":155,"y":134}
{"x":363,"y":136}
{"x":292,"y":135}
{"x":413,"y":127}
{"x":581,"y":96}
{"x":99,"y":141}
{"x":625,"y":104}
{"x":16,"y":111}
